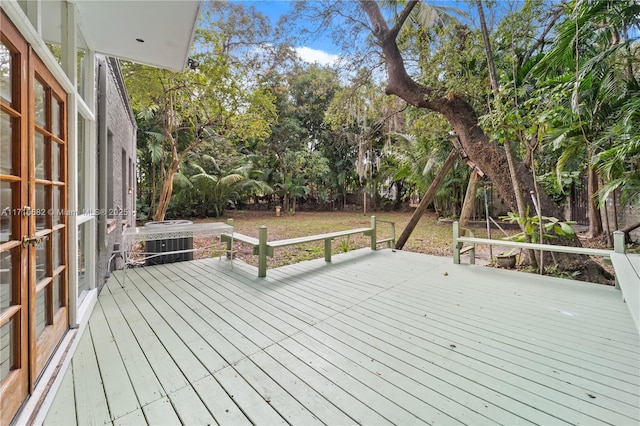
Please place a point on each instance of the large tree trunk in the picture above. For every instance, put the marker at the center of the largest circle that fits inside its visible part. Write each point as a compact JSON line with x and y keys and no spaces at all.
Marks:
{"x":167,"y":184}
{"x":469,"y":198}
{"x":167,"y":190}
{"x":493,"y":80}
{"x":487,"y":155}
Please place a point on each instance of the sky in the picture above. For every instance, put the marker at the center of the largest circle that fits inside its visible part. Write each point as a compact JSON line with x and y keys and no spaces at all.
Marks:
{"x":322,"y":50}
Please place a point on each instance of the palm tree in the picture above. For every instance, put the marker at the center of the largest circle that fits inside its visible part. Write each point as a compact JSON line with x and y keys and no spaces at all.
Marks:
{"x":590,"y":60}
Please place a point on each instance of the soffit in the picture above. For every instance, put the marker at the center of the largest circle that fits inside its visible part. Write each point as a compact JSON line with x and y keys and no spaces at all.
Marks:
{"x":114,"y":28}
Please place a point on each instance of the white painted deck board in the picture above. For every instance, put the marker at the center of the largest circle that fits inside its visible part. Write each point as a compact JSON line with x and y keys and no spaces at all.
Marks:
{"x":115,"y":378}
{"x":484,"y":349}
{"x":308,"y":396}
{"x":520,"y":381}
{"x":545,"y":319}
{"x":218,"y":402}
{"x":538,"y":339}
{"x":190,"y":408}
{"x":141,"y":374}
{"x":165,"y":368}
{"x":256,"y":407}
{"x":63,"y":408}
{"x":160,"y":412}
{"x":372,"y":338}
{"x":91,"y":403}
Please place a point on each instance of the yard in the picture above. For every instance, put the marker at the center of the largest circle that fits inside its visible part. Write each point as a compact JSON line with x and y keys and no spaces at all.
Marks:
{"x":431,"y":236}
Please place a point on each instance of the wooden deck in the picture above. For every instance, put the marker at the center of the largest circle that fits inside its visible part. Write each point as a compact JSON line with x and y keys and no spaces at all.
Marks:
{"x":385,"y":337}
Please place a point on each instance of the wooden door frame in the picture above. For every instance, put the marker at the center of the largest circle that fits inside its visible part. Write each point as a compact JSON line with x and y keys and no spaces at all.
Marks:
{"x":43,"y":346}
{"x":30,"y":356}
{"x":18,"y":379}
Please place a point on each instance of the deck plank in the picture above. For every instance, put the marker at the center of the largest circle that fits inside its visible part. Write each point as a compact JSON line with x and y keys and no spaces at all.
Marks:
{"x":63,"y":408}
{"x":158,"y":356}
{"x":160,"y":412}
{"x":92,"y":408}
{"x":482,"y":348}
{"x":384,"y":405}
{"x":186,"y":339}
{"x":285,"y":404}
{"x":115,"y":378}
{"x":374,"y":337}
{"x":223,"y":407}
{"x":190,"y":408}
{"x":417,"y":399}
{"x":134,"y":418}
{"x":235,"y":337}
{"x":305,"y":394}
{"x":141,"y":374}
{"x":482,"y":370}
{"x":227,"y":287}
{"x":347,"y":403}
{"x":530,"y":339}
{"x":535,"y":320}
{"x":256,"y":408}
{"x":429,"y":393}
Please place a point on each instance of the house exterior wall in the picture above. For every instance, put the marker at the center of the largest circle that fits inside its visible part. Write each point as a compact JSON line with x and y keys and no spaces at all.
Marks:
{"x":118,"y":168}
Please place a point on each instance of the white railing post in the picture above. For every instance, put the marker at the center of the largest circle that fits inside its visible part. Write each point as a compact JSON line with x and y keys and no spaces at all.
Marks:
{"x":374,"y":242}
{"x":262,"y":251}
{"x":618,"y":241}
{"x":230,"y":241}
{"x":456,"y":245}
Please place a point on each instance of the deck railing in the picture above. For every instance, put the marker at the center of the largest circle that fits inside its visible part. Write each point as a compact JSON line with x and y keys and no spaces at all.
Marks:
{"x":627,"y":267}
{"x":264,"y":248}
{"x":459,"y":240}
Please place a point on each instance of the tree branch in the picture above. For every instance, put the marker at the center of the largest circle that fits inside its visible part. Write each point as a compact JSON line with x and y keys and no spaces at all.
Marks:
{"x":380,"y":27}
{"x":402,"y":18}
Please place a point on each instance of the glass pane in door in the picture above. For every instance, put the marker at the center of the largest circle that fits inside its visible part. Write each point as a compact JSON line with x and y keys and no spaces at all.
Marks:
{"x":42,"y":260}
{"x":7,"y":210}
{"x":41,"y":311}
{"x":8,"y":259}
{"x":6,"y":145}
{"x":82,"y":184}
{"x":56,"y":170}
{"x":57,"y":293}
{"x":40,"y":151}
{"x":57,"y":249}
{"x":55,"y":118}
{"x":41,"y":206}
{"x":6,"y":63}
{"x":40,"y":104}
{"x":56,"y":212}
{"x":7,"y":345}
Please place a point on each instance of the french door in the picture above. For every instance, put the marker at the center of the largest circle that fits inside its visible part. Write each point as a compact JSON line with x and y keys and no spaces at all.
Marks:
{"x":33,"y":223}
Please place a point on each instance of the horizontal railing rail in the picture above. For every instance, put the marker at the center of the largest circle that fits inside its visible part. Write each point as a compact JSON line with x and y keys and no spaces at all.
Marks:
{"x":459,"y":240}
{"x":264,"y":248}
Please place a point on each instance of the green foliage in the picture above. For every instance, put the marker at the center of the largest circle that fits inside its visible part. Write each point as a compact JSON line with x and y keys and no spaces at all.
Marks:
{"x":181,"y":113}
{"x":559,"y":188}
{"x":263,"y":120}
{"x":551,"y":227}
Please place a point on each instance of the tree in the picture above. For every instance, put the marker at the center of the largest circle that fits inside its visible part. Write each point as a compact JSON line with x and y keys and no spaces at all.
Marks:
{"x":591,"y":59}
{"x":208,"y":104}
{"x":463,"y":118}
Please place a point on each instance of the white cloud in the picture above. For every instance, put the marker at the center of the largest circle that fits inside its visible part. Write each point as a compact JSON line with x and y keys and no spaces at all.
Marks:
{"x":313,"y":55}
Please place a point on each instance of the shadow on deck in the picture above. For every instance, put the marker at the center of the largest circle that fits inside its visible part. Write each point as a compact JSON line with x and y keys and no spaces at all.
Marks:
{"x":372,"y":338}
